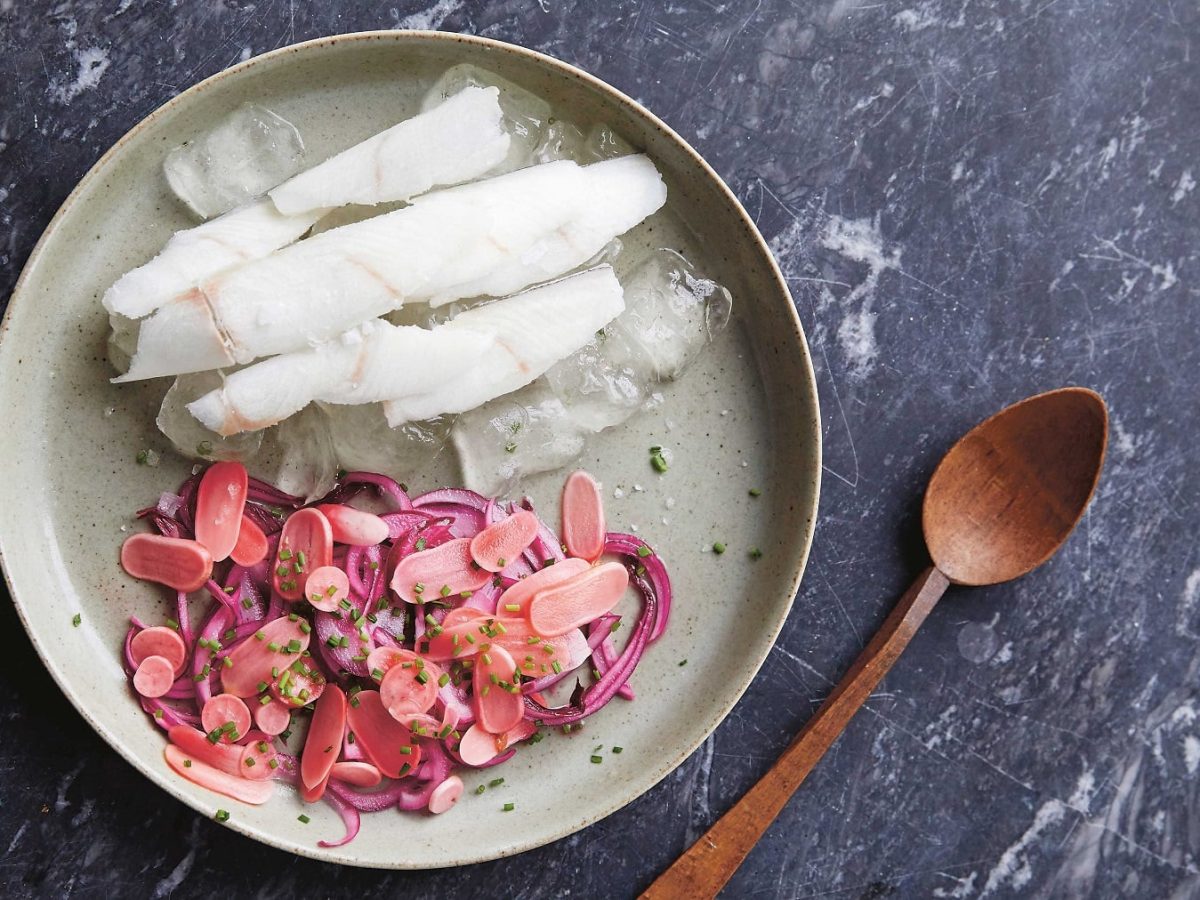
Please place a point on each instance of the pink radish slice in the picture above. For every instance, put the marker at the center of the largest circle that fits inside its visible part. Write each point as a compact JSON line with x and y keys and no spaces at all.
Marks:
{"x":273,"y":718}
{"x":478,"y":746}
{"x":557,"y":609}
{"x":496,"y":707}
{"x":457,"y":641}
{"x":219,"y":505}
{"x":498,"y":545}
{"x":381,"y":660}
{"x":305,"y":545}
{"x":537,"y":659}
{"x":450,"y":719}
{"x":445,"y":795}
{"x":253,"y":659}
{"x":314,"y":793}
{"x":442,"y":571}
{"x":410,"y":687}
{"x":420,"y":724}
{"x":226,"y":757}
{"x":159,"y":641}
{"x":176,"y":562}
{"x":197,"y":772}
{"x":298,"y":685}
{"x":522,"y":730}
{"x":327,"y":587}
{"x":251,"y":547}
{"x":154,"y":676}
{"x":382,"y":738}
{"x":324,"y":740}
{"x":354,"y":526}
{"x":583,"y":528}
{"x":515,"y":600}
{"x":359,"y":774}
{"x":462,"y":614}
{"x":257,"y":755}
{"x":222,"y":709}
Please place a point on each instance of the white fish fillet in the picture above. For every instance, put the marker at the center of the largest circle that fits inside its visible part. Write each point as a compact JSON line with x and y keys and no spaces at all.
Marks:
{"x":376,"y":361}
{"x":190,"y":256}
{"x":490,"y":238}
{"x":532,"y":332}
{"x":454,"y":142}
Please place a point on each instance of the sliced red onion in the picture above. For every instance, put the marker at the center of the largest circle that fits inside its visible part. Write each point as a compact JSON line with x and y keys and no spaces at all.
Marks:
{"x":606,"y":655}
{"x":266,"y":494}
{"x":600,"y":630}
{"x":350,"y":817}
{"x":546,"y":545}
{"x":353,"y":483}
{"x":264,"y":519}
{"x":451,"y":695}
{"x":628,"y":546}
{"x":218,"y":623}
{"x":183,"y":614}
{"x":400,"y":523}
{"x":467,"y":509}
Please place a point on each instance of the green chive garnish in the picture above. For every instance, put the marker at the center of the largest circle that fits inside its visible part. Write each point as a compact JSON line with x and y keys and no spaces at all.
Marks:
{"x":222,"y":815}
{"x":644,"y":551}
{"x":76,"y":619}
{"x":718,"y":548}
{"x":508,"y":807}
{"x":597,"y":759}
{"x":303,"y":819}
{"x":617,"y":749}
{"x":755,"y":492}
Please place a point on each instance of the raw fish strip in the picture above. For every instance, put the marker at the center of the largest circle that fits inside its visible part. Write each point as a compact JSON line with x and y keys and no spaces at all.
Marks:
{"x":194,"y":254}
{"x":490,"y":238}
{"x":532,"y":331}
{"x":454,"y":142}
{"x":375,"y":361}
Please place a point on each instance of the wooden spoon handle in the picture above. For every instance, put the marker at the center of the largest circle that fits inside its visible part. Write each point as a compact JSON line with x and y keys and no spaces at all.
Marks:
{"x":703,"y":870}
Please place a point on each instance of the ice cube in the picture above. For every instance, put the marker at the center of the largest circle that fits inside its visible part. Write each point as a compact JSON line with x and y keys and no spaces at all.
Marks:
{"x":604,"y":143}
{"x":563,"y":140}
{"x":248,"y":152}
{"x":597,"y":390}
{"x":298,"y":455}
{"x":671,"y":312}
{"x":122,"y":340}
{"x":526,"y":115}
{"x":191,"y":438}
{"x":515,"y":436}
{"x":363,"y":440}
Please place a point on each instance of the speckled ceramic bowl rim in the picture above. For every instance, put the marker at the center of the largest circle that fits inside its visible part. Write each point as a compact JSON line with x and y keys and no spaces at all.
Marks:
{"x":813,"y":476}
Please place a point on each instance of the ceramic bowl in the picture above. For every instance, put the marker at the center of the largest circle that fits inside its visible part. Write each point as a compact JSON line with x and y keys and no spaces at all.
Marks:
{"x":745,"y":416}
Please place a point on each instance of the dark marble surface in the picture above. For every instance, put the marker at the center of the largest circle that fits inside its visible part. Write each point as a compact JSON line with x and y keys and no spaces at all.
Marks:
{"x":973,"y":201}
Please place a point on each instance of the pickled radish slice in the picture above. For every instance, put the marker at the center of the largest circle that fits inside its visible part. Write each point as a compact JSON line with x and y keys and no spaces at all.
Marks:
{"x":257,"y":756}
{"x":222,"y":710}
{"x":498,"y":703}
{"x":324,"y":740}
{"x":315,"y":793}
{"x":515,"y":600}
{"x":251,"y":547}
{"x":498,"y":545}
{"x":420,"y":724}
{"x":327,"y":587}
{"x":176,"y":562}
{"x":442,"y":571}
{"x":219,"y":504}
{"x":272,"y":718}
{"x":305,"y":545}
{"x":255,"y":793}
{"x":478,"y":746}
{"x":354,"y":526}
{"x":298,"y":685}
{"x":276,"y":645}
{"x":583,"y":529}
{"x":537,"y":659}
{"x":410,"y":687}
{"x":557,"y":609}
{"x":381,"y":660}
{"x":159,"y":641}
{"x":359,"y":774}
{"x":462,"y":614}
{"x":384,"y":741}
{"x":154,"y":676}
{"x":226,"y":757}
{"x":445,"y":795}
{"x":457,"y":641}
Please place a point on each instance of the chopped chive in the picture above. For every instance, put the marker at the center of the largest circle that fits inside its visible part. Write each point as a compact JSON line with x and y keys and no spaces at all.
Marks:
{"x":430,"y":620}
{"x":420,"y":544}
{"x":249,"y":760}
{"x":418,"y":588}
{"x":247,"y":603}
{"x":222,"y":815}
{"x":273,"y":763}
{"x":158,"y":714}
{"x":508,"y":807}
{"x":273,"y":646}
{"x":446,"y":590}
{"x":755,"y":553}
{"x":285,"y":554}
{"x":262,"y":746}
{"x":293,"y":617}
{"x":537,"y":737}
{"x":683,"y":662}
{"x":644,"y":551}
{"x":512,"y":607}
{"x":617,"y":749}
{"x":293,"y":646}
{"x":481,"y":789}
{"x":533,"y":640}
{"x":487,"y":659}
{"x":187,"y":763}
{"x":466,"y":595}
{"x":502,"y":562}
{"x":287,"y":585}
{"x":305,"y":628}
{"x":282,"y":571}
{"x":658,"y":464}
{"x":718,"y":548}
{"x":300,"y":558}
{"x":496,"y":782}
{"x":556,"y":667}
{"x":423,"y":677}
{"x":262,"y":686}
{"x":405,"y":769}
{"x":227,"y":662}
{"x":171,"y":623}
{"x":377,"y":674}
{"x":597,"y":759}
{"x":755,"y":492}
{"x":76,"y":620}
{"x":303,"y":819}
{"x":260,"y":636}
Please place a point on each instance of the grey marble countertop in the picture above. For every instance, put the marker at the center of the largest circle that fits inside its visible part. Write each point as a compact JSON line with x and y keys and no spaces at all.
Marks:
{"x":973,"y":201}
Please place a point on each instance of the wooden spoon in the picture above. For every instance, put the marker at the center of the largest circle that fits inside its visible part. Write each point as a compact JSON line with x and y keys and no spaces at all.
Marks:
{"x":999,"y":504}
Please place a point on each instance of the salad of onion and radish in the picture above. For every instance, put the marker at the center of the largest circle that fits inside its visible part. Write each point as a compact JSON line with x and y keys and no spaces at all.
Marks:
{"x":363,"y":647}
